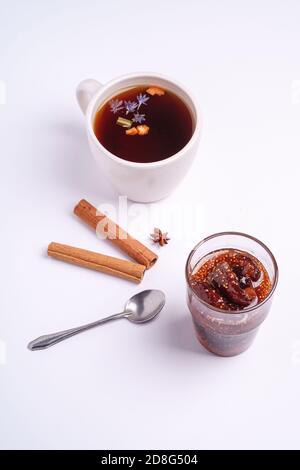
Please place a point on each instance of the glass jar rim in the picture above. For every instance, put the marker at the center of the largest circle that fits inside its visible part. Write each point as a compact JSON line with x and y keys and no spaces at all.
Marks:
{"x":236,"y":313}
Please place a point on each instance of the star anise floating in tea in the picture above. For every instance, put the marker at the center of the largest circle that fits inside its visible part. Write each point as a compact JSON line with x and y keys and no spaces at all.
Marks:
{"x":159,"y":237}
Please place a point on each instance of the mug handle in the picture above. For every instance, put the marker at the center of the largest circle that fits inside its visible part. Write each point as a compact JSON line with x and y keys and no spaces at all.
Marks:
{"x":85,"y":91}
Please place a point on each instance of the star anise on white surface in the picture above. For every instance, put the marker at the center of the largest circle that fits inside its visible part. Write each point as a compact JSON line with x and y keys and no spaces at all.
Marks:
{"x":159,"y":237}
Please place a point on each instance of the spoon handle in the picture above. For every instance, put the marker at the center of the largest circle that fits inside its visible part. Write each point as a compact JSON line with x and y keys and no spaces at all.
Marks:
{"x":45,"y":341}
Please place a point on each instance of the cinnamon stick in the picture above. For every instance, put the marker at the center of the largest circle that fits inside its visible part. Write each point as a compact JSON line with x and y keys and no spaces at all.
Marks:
{"x":125,"y":242}
{"x":106,"y":264}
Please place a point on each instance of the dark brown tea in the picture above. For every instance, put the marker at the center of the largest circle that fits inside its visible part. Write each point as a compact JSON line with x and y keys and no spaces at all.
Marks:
{"x":144,"y":124}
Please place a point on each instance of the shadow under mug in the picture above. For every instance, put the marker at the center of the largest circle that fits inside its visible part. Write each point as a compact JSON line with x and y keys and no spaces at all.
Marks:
{"x":141,"y":182}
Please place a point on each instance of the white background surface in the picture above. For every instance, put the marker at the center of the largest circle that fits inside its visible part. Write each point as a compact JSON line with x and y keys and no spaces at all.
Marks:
{"x":122,"y":386}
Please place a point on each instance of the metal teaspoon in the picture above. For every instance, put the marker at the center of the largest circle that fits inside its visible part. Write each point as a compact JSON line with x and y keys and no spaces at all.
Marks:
{"x":140,"y":308}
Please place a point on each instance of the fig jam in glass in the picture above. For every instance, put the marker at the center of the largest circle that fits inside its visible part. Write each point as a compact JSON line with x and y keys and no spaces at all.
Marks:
{"x":144,"y":124}
{"x":231,"y":278}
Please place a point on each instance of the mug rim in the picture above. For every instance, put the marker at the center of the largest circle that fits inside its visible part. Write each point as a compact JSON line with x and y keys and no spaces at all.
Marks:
{"x":180,"y":154}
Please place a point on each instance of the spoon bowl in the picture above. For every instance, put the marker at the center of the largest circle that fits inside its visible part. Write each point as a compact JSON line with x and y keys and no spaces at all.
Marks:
{"x":144,"y":306}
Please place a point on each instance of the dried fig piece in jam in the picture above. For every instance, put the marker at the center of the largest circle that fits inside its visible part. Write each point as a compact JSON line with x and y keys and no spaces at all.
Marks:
{"x":244,"y":281}
{"x":244,"y":266}
{"x":211,"y":296}
{"x":225,"y":280}
{"x":241,"y":281}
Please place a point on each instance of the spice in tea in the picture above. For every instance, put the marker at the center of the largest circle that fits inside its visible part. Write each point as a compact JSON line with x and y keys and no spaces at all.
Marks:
{"x":144,"y":124}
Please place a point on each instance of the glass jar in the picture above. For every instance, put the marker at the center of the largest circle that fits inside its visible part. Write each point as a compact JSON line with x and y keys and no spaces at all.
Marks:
{"x":225,"y":333}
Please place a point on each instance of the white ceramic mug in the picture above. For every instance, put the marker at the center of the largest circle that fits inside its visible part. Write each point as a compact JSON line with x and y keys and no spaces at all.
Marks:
{"x":142,"y":182}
